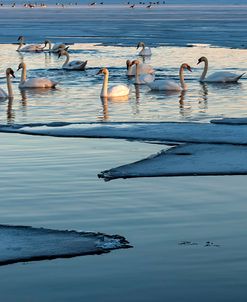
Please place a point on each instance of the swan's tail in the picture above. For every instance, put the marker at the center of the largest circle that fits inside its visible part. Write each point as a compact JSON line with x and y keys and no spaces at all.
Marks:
{"x":83,"y":65}
{"x":239,"y":77}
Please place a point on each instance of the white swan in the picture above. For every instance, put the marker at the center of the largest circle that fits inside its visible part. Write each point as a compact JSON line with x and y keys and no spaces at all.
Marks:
{"x":29,"y":48}
{"x":56,"y":47}
{"x":35,"y":82}
{"x":3,"y":94}
{"x":73,"y":65}
{"x":169,"y":85}
{"x":217,"y":77}
{"x":141,"y":78}
{"x":143,"y":68}
{"x":113,"y":91}
{"x":146,"y":51}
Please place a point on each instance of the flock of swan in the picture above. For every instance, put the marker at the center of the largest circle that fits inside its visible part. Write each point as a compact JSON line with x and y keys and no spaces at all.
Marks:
{"x":143,"y":73}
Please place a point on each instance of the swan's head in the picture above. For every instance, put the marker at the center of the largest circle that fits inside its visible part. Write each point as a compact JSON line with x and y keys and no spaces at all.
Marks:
{"x":135,"y":62}
{"x":140,"y":44}
{"x":202,"y":59}
{"x":186,"y":66}
{"x":20,"y":39}
{"x":103,"y":70}
{"x":21,"y":65}
{"x":47,"y":42}
{"x":10,"y":71}
{"x":61,"y":52}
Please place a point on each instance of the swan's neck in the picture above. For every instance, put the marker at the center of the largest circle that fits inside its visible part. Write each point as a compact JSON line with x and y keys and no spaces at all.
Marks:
{"x":10,"y":88}
{"x":105,"y":86}
{"x":181,"y":77}
{"x":205,"y":70}
{"x":67,"y":59}
{"x":137,"y":74}
{"x":143,"y":47}
{"x":49,"y":43}
{"x":20,"y":46}
{"x":23,"y":74}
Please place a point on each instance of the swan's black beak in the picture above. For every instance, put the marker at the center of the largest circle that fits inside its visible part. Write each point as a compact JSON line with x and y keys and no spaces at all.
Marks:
{"x":99,"y":72}
{"x":59,"y":54}
{"x":189,"y":68}
{"x":199,"y":61}
{"x":12,"y":73}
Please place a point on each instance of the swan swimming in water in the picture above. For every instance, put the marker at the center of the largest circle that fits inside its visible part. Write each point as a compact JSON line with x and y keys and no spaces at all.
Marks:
{"x":29,"y":48}
{"x":35,"y":82}
{"x":113,"y":91}
{"x":146,"y":51}
{"x":3,"y":94}
{"x":217,"y":77}
{"x":73,"y":65}
{"x":143,"y":69}
{"x":141,"y":78}
{"x":56,"y":47}
{"x":169,"y":85}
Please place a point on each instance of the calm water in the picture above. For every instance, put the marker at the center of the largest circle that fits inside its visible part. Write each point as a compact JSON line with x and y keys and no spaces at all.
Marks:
{"x":52,"y":182}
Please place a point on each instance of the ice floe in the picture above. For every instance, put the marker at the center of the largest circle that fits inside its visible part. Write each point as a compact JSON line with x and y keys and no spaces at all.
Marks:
{"x":167,"y":132}
{"x":186,"y":160}
{"x":23,"y":243}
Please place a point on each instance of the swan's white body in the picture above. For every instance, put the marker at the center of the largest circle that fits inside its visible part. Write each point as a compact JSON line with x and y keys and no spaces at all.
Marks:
{"x":143,"y":69}
{"x":73,"y":65}
{"x":169,"y":85}
{"x":35,"y":82}
{"x":146,"y":51}
{"x":141,"y":78}
{"x":56,"y":47}
{"x":29,"y":48}
{"x":4,"y":94}
{"x":217,"y":77}
{"x":112,"y":91}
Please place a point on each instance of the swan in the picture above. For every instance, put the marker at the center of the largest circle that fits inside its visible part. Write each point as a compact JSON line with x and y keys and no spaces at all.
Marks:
{"x":73,"y":65}
{"x":146,"y":51}
{"x":35,"y":82}
{"x":217,"y":77}
{"x":143,"y":68}
{"x":113,"y":91}
{"x":29,"y":48}
{"x":141,"y":78}
{"x":3,"y":94}
{"x":169,"y":85}
{"x":56,"y":47}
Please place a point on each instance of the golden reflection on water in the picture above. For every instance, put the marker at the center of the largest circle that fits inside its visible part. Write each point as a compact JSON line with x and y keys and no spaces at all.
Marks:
{"x":77,"y":97}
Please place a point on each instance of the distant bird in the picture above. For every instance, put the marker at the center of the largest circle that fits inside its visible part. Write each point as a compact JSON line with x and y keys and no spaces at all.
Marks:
{"x":146,"y":51}
{"x":149,"y":6}
{"x":35,"y":82}
{"x":217,"y":77}
{"x":113,"y":91}
{"x":73,"y":65}
{"x":92,"y":3}
{"x":132,"y":6}
{"x":170,"y":85}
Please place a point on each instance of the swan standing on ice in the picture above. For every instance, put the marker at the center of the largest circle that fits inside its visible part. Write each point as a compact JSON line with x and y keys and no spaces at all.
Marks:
{"x":169,"y":85}
{"x":3,"y":94}
{"x":56,"y":47}
{"x":141,"y":78}
{"x":29,"y":48}
{"x":113,"y":91}
{"x":73,"y":65}
{"x":35,"y":82}
{"x":217,"y":77}
{"x":146,"y":51}
{"x":143,"y":69}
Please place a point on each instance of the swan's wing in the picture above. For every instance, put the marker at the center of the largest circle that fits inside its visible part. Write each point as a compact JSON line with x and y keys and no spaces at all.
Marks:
{"x":58,"y":46}
{"x":118,"y":90}
{"x":146,"y":68}
{"x":223,"y":77}
{"x":76,"y":65}
{"x":3,"y":94}
{"x":164,"y":85}
{"x":145,"y":52}
{"x":38,"y":83}
{"x":32,"y":47}
{"x":146,"y":78}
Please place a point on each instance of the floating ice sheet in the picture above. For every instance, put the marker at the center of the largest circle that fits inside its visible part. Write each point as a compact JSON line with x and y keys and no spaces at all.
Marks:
{"x":165,"y":132}
{"x":187,"y":160}
{"x":23,"y":243}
